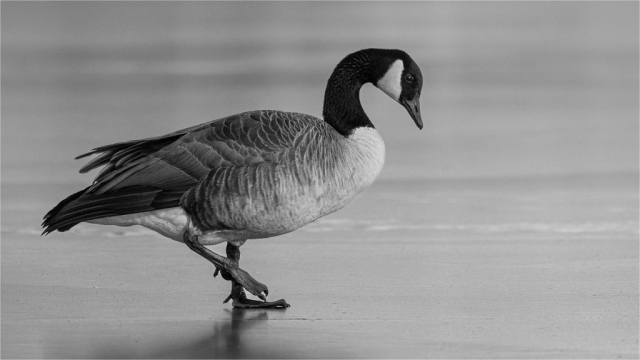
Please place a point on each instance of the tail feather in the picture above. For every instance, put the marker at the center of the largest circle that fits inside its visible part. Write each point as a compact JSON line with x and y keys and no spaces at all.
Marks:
{"x":86,"y":210}
{"x":62,"y":204}
{"x":84,"y":206}
{"x":64,"y":225}
{"x":132,"y":181}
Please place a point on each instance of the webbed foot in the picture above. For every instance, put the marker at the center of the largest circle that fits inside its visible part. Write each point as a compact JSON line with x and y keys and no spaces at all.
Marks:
{"x":240,"y":300}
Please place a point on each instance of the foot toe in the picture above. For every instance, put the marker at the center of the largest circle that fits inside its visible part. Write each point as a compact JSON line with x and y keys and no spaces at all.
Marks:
{"x":249,"y":283}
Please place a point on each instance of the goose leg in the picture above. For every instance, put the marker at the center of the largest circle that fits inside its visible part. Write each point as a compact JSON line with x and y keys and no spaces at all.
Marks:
{"x":231,"y":271}
{"x":238,"y":295}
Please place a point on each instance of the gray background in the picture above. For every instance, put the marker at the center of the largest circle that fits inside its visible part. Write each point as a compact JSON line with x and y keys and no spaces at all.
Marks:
{"x":508,"y":227}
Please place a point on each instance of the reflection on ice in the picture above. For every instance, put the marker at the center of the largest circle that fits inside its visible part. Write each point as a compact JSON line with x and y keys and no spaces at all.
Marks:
{"x":231,"y":337}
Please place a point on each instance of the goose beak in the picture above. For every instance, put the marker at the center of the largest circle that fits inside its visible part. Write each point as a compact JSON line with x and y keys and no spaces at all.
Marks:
{"x":413,"y":107}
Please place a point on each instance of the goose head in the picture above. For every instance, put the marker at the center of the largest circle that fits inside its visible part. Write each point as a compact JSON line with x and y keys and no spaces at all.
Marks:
{"x":392,"y":71}
{"x":401,"y":79}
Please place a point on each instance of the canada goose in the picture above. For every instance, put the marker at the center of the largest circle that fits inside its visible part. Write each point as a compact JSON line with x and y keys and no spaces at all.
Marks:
{"x":252,"y":175}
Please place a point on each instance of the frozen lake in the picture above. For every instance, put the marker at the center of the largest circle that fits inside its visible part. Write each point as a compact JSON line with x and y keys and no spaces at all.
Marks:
{"x":507,"y":228}
{"x":511,"y":269}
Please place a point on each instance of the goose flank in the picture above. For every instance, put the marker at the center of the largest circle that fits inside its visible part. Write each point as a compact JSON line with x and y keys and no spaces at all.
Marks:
{"x":256,"y":174}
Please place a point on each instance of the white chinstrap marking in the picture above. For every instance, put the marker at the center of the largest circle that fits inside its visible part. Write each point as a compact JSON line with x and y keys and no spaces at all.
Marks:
{"x":390,"y":83}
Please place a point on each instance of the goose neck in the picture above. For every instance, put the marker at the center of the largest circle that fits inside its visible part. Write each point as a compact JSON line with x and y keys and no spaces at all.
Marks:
{"x":342,"y":108}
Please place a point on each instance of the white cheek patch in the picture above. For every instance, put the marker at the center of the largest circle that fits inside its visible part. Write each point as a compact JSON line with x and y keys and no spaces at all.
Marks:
{"x":390,"y":82}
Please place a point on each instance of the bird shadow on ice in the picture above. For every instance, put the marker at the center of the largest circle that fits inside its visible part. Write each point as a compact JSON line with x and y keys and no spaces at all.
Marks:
{"x":242,"y":335}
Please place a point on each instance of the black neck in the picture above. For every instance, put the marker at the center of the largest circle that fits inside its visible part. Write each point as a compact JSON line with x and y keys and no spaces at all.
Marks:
{"x":342,"y":109}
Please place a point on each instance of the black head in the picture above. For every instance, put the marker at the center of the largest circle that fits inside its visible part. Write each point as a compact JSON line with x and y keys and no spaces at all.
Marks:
{"x":400,"y":77}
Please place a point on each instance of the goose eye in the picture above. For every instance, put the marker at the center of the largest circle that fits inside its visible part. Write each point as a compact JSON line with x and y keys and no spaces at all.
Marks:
{"x":408,"y":78}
